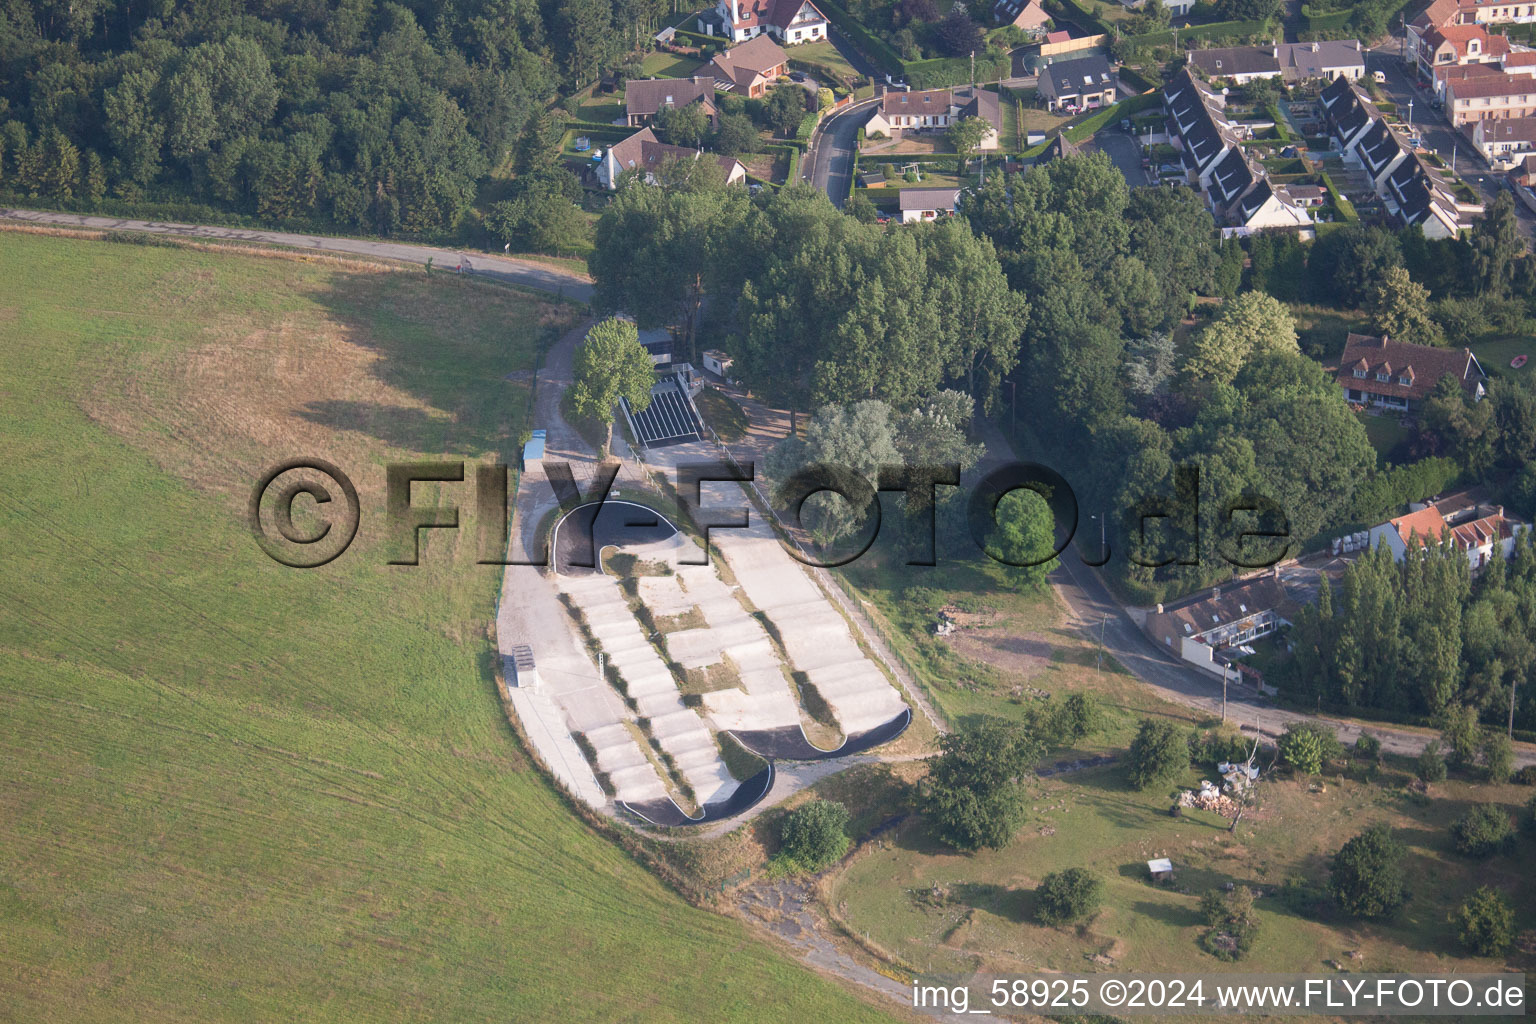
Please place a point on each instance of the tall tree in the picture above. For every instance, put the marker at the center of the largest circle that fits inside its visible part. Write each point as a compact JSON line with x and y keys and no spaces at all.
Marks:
{"x":610,"y":364}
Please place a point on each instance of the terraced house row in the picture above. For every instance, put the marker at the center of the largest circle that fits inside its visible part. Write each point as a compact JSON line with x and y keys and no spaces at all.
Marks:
{"x":1413,"y":191}
{"x":1235,"y":186}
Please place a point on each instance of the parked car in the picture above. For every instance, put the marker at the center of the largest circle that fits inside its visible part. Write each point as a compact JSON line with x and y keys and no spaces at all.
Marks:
{"x":797,"y":76}
{"x":1379,"y":77}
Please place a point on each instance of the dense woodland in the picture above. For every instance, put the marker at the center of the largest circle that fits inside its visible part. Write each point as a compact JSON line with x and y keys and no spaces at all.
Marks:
{"x":373,"y":116}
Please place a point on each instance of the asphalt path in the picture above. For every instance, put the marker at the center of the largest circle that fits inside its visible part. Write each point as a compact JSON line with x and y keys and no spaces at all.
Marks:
{"x":829,"y":158}
{"x":524,"y":273}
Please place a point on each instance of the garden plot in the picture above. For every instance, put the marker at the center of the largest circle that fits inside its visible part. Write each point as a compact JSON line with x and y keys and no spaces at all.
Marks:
{"x":677,"y":729}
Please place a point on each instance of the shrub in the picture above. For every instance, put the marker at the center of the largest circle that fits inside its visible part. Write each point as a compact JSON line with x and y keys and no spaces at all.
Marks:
{"x":1530,"y":816}
{"x":1483,"y":831}
{"x":1526,"y":776}
{"x":815,"y":835}
{"x":1157,"y":754}
{"x":1367,"y":748}
{"x":1498,"y":756}
{"x":1234,"y":924}
{"x":1067,"y":896}
{"x":1431,"y":766}
{"x":1068,"y":722}
{"x":1302,"y":749}
{"x":1485,"y":923}
{"x":1367,"y":878}
{"x":1460,"y":733}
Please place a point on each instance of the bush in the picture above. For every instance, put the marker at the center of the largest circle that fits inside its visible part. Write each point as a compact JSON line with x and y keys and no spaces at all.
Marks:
{"x":1526,"y":776}
{"x":1431,"y":766}
{"x":1483,"y":831}
{"x":1234,"y":924}
{"x":1498,"y":756}
{"x":1367,"y":748}
{"x":1367,"y":879}
{"x":1485,"y":923}
{"x":1067,"y":896}
{"x":1068,"y":722}
{"x":815,"y":835}
{"x":1157,"y":754}
{"x":972,"y":797}
{"x":1302,"y":749}
{"x":1530,"y":816}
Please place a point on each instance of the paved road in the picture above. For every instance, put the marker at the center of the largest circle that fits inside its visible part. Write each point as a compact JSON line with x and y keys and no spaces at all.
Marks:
{"x":525,"y":273}
{"x":1125,"y":151}
{"x":1436,"y":131}
{"x":829,"y":158}
{"x":1097,"y":613}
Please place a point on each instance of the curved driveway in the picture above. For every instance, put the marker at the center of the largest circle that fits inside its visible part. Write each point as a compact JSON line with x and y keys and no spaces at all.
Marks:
{"x":526,"y":273}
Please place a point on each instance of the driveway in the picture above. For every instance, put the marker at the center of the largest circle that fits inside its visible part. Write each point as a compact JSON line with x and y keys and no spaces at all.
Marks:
{"x":829,"y":159}
{"x":1125,"y":152}
{"x":525,"y":273}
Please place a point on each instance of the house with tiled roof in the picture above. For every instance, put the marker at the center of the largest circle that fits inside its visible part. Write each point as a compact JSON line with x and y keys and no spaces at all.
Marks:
{"x":918,"y":204}
{"x":900,"y":112}
{"x":1028,"y":15}
{"x":643,"y":153}
{"x":1399,"y":376}
{"x":788,"y":21}
{"x":1503,"y":143}
{"x":1455,"y":45}
{"x":748,"y":68}
{"x":644,"y":98}
{"x":1497,"y":96}
{"x":1476,"y":529}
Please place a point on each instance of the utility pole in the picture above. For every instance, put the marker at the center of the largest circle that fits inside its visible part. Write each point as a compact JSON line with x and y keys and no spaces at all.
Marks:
{"x":1099,"y":663}
{"x":1223,"y":691}
{"x":1512,"y":685}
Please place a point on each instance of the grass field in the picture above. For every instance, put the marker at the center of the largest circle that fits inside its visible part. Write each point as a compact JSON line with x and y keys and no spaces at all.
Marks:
{"x":236,"y":791}
{"x":1495,"y":353}
{"x":1387,"y":435}
{"x":669,"y":65}
{"x":826,"y":55}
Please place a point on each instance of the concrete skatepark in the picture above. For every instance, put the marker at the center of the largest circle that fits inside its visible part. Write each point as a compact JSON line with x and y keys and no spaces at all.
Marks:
{"x":627,"y":723}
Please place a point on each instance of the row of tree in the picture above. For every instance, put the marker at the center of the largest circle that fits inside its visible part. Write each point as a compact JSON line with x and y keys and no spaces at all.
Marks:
{"x":1419,"y":636}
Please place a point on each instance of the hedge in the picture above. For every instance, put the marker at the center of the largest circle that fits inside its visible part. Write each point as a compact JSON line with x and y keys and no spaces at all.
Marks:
{"x":1344,"y":208}
{"x":1392,"y":488}
{"x":875,"y":48}
{"x":938,"y":72}
{"x":1084,"y":18}
{"x":1136,"y":80}
{"x":807,"y":126}
{"x":1214,"y":29}
{"x":1125,"y":108}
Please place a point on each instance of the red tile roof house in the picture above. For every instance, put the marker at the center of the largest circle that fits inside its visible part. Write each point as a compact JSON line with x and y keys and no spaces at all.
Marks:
{"x":788,"y":21}
{"x":645,"y":97}
{"x":1398,"y":376}
{"x":1477,"y":531}
{"x":643,"y":152}
{"x":748,"y":69}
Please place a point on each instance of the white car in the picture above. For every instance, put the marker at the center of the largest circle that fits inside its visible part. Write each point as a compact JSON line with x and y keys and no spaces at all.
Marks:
{"x":1379,"y":77}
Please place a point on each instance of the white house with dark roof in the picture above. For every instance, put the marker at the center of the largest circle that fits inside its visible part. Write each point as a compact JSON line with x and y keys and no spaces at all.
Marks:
{"x":788,"y":21}
{"x":643,"y":153}
{"x":1504,"y":143}
{"x":935,"y":110}
{"x":1082,"y":83}
{"x":919,"y":204}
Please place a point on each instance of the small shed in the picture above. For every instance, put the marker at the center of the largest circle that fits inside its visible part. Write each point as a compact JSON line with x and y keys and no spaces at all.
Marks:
{"x":1160,"y":869}
{"x":717,"y":362}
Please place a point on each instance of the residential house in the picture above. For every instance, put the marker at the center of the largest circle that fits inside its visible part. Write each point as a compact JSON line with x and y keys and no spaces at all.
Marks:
{"x":1523,"y":174}
{"x":1060,"y":146}
{"x":1399,"y":376}
{"x":788,"y":21}
{"x":1492,"y":96}
{"x":644,"y":98}
{"x":749,"y":68}
{"x":1028,"y":15}
{"x":1412,"y":191}
{"x":927,"y":203}
{"x":1202,"y":628}
{"x":1504,"y":143}
{"x":1456,"y":45}
{"x":1443,"y":14}
{"x":1477,"y":530}
{"x":1082,"y":83}
{"x":1321,"y":60}
{"x":644,"y":153}
{"x":1235,"y":187}
{"x":1306,"y":196}
{"x":1460,"y":73}
{"x":1239,"y":64}
{"x":936,"y":110}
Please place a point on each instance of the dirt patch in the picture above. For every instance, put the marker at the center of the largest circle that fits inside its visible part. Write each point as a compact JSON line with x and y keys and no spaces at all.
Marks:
{"x":1025,"y":654}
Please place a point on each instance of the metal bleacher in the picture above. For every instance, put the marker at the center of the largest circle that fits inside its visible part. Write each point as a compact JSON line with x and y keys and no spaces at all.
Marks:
{"x":669,"y":419}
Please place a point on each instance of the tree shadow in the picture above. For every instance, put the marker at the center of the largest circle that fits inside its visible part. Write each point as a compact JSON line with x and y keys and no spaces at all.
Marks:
{"x":1176,"y":915}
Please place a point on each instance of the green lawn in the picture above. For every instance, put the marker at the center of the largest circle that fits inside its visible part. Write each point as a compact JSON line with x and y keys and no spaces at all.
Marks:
{"x":603,"y":110}
{"x":236,"y":791}
{"x":669,"y":65}
{"x":722,"y":413}
{"x":1495,"y":353}
{"x":827,"y":55}
{"x":1388,"y":436}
